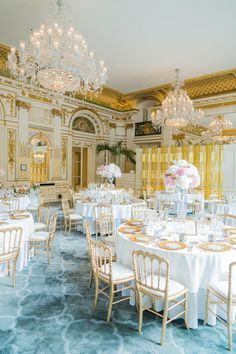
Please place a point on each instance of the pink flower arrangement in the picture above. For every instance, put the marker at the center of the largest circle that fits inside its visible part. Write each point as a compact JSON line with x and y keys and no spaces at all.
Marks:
{"x":110,"y":171}
{"x":181,"y":175}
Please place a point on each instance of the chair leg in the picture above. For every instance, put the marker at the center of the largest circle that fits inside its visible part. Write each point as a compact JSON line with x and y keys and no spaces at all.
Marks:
{"x":96,"y":290}
{"x":206,"y":308}
{"x":14,"y":272}
{"x":186,"y":311}
{"x":140,"y":319}
{"x":229,"y":325}
{"x":91,"y":278}
{"x":47,"y":251}
{"x":110,"y":302}
{"x":8,"y":268}
{"x":164,"y":320}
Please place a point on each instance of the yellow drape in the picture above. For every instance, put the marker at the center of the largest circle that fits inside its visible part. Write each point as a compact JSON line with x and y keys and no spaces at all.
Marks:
{"x":207,"y":158}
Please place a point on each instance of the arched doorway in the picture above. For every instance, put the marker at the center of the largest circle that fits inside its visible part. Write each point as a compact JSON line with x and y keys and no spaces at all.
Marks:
{"x":85,"y":127}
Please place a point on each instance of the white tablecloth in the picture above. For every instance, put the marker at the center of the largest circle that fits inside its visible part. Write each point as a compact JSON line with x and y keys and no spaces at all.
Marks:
{"x":193,"y":269}
{"x":120,"y":211}
{"x":105,"y":195}
{"x":24,"y":202}
{"x":215,"y":207}
{"x":189,"y":198}
{"x":27,"y":225}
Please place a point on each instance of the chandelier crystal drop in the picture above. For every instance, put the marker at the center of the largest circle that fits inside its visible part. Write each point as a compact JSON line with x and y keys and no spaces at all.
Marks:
{"x":177,"y":109}
{"x":215,"y":133}
{"x":57,"y":58}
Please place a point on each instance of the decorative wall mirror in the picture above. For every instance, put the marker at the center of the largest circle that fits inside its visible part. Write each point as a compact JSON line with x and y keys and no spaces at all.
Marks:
{"x":39,"y":158}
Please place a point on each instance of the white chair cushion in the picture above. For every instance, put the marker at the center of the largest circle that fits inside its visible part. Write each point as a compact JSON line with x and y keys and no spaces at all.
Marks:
{"x":174,"y":286}
{"x":76,"y":217}
{"x":220,"y":287}
{"x":39,"y":226}
{"x":72,"y":211}
{"x":119,"y":271}
{"x":39,"y":236}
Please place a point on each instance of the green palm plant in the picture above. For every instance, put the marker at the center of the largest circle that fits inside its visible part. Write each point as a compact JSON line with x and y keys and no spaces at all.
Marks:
{"x":117,"y":150}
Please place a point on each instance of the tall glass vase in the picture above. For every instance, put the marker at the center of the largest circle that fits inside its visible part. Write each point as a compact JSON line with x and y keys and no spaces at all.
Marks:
{"x":181,"y":204}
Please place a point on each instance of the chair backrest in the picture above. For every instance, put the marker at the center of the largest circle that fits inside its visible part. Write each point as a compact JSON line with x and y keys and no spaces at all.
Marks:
{"x":106,"y":226}
{"x":52,"y":226}
{"x":13,"y":203}
{"x":101,"y":259}
{"x":102,"y":209}
{"x":232,"y":281}
{"x":44,"y":214}
{"x":10,"y":241}
{"x":139,"y":211}
{"x":66,"y":208}
{"x":151,"y":272}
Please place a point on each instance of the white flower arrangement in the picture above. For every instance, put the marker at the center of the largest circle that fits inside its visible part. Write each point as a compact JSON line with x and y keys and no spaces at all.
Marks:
{"x":110,"y":171}
{"x":181,"y":175}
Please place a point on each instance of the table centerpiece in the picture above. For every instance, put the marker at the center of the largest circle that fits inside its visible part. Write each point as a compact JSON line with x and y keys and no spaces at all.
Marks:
{"x":110,"y":172}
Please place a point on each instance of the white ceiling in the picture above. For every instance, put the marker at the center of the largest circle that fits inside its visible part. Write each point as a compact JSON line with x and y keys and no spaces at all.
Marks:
{"x":141,"y":42}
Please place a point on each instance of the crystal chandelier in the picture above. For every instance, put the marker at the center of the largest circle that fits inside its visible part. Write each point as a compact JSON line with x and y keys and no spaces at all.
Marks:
{"x":57,"y":58}
{"x":215,"y":133}
{"x":177,"y":109}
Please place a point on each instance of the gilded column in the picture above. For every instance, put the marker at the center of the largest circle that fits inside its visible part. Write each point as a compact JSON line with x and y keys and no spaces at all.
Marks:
{"x":23,"y":172}
{"x":56,"y":155}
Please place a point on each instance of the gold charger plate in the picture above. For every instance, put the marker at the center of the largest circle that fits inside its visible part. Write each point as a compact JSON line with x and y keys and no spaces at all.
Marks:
{"x":135,"y":222}
{"x":19,"y":217}
{"x":172,"y":245}
{"x":129,"y":229}
{"x":143,"y":238}
{"x":214,"y":247}
{"x":231,"y":239}
{"x":3,"y":223}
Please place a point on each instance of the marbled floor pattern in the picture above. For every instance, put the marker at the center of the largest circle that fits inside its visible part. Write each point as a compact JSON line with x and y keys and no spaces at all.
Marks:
{"x":51,"y":311}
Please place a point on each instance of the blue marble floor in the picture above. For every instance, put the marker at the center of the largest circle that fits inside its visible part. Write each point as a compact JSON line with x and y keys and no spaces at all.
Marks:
{"x":51,"y":311}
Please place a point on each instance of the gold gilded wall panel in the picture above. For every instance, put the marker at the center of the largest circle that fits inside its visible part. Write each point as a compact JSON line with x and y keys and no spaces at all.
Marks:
{"x":11,"y":153}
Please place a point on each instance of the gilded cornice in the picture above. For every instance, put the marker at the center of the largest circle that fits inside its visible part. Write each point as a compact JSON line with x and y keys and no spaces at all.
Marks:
{"x":199,"y":87}
{"x":58,"y":113}
{"x":23,"y":105}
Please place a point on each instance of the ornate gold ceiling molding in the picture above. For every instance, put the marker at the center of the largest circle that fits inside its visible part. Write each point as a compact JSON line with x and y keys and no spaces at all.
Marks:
{"x":199,"y":87}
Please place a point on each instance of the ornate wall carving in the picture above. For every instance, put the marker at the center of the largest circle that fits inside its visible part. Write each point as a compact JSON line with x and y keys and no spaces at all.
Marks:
{"x":11,"y":154}
{"x":84,"y":125}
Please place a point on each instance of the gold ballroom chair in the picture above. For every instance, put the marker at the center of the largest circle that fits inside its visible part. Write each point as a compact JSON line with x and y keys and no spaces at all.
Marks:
{"x":139,"y":211}
{"x":10,"y":242}
{"x":44,"y":239}
{"x":223,"y":292}
{"x":110,"y":273}
{"x":43,"y":218}
{"x":89,"y":241}
{"x":11,"y":204}
{"x":106,"y":226}
{"x":152,"y":278}
{"x":70,"y":220}
{"x":100,"y":210}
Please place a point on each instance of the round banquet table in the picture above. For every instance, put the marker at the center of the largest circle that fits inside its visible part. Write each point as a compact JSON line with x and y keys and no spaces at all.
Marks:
{"x":174,"y":197}
{"x":120,"y":211}
{"x":24,"y":202}
{"x":215,"y":207}
{"x":27,"y":225}
{"x":195,"y":270}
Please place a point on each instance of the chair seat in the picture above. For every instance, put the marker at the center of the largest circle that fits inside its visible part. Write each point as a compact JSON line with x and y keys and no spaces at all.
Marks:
{"x":75,"y":217}
{"x":119,"y":272}
{"x":39,"y":226}
{"x":6,"y":257}
{"x":175,"y":288}
{"x":222,"y":287}
{"x":39,"y":236}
